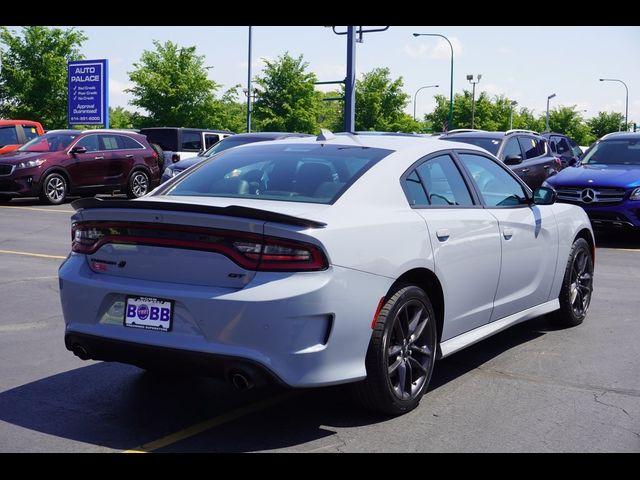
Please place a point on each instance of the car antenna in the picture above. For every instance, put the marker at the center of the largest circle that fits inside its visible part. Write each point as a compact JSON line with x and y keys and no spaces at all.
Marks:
{"x":325,"y":134}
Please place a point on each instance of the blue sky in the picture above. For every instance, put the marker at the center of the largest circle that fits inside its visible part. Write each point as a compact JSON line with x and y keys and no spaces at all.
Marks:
{"x":525,"y":63}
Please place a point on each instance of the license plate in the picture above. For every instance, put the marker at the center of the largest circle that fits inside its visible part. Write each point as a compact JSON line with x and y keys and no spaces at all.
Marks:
{"x":150,"y":313}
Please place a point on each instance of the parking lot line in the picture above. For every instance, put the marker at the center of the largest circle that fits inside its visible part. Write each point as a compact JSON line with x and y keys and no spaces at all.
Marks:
{"x":38,"y":209}
{"x":209,"y":424}
{"x":29,"y":254}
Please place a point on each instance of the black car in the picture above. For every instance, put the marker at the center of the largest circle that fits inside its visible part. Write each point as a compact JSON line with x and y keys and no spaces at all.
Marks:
{"x":224,"y":144}
{"x":526,"y":152}
{"x":564,"y":147}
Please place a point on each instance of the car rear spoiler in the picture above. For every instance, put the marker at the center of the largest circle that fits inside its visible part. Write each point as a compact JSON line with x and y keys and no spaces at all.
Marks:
{"x":231,"y":210}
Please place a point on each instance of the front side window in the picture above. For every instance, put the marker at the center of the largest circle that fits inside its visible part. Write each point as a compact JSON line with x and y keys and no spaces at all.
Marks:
{"x":315,"y":173}
{"x":443,"y":182}
{"x":497,"y":187}
{"x":8,"y":136}
{"x":512,"y":147}
{"x":49,"y":142}
{"x":90,"y":142}
{"x":531,"y":147}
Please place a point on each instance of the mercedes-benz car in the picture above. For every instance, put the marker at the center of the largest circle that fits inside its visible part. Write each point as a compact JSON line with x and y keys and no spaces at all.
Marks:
{"x":606,"y":183}
{"x":359,"y":259}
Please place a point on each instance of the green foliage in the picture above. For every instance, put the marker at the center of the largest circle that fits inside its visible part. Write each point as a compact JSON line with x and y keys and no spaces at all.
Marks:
{"x":120,"y":118}
{"x":33,"y":81}
{"x":172,"y":85}
{"x":605,"y":122}
{"x":233,"y":111}
{"x":287,"y":101}
{"x":380,"y":103}
{"x":331,"y":113}
{"x":570,"y":122}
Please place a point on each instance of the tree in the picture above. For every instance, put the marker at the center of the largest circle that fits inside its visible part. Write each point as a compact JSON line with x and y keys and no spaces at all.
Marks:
{"x":380,"y":103}
{"x":33,"y":81}
{"x":605,"y":122}
{"x":233,"y":112}
{"x":331,"y":114}
{"x":120,"y":118}
{"x":570,"y":122}
{"x":287,"y":101}
{"x":171,"y":83}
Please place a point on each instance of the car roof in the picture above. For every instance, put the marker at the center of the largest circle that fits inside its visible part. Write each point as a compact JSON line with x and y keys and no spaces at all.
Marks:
{"x":188,"y":128}
{"x":18,"y":122}
{"x":621,"y":136}
{"x":478,"y":134}
{"x":270,"y":135}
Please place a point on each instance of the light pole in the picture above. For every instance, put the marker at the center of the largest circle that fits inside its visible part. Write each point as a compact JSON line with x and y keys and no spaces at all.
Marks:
{"x":546,"y":123}
{"x":416,"y":96}
{"x":473,"y":96}
{"x":513,"y":104}
{"x":249,"y":88}
{"x":450,"y":123}
{"x":626,"y":102}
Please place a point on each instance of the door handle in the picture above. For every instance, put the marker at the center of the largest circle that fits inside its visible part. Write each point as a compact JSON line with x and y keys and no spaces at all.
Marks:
{"x":128,"y":156}
{"x":443,"y":234}
{"x":98,"y":158}
{"x":507,"y":233}
{"x":546,"y":167}
{"x":524,"y":170}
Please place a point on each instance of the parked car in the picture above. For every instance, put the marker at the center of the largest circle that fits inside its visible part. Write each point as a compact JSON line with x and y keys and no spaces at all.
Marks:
{"x":607,"y":182}
{"x":228,"y":142}
{"x":524,"y":151}
{"x":564,"y":147}
{"x":63,"y":162}
{"x":320,"y":261}
{"x":14,"y":133}
{"x":178,"y":143}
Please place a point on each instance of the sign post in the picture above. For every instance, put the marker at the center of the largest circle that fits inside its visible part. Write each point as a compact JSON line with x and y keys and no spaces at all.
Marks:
{"x":88,"y":91}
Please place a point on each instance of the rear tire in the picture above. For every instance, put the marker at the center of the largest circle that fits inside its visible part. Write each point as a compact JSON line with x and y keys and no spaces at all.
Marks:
{"x":401,"y":354}
{"x":54,"y":189}
{"x":138,"y":184}
{"x":158,"y":149}
{"x":577,"y":287}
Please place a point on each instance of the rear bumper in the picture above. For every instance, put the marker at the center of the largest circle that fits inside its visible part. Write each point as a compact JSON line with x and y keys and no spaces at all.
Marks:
{"x":305,"y":329}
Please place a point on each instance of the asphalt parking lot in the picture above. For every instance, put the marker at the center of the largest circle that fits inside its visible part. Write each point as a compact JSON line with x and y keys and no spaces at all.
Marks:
{"x":528,"y":389}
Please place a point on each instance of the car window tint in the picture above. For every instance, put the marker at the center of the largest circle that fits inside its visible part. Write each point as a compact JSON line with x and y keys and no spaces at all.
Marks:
{"x":512,"y":147}
{"x":415,"y":193}
{"x":90,"y":142}
{"x":8,"y":136}
{"x":314,"y":173}
{"x":109,"y":142}
{"x":563,"y":146}
{"x":531,"y":147}
{"x":611,"y":152}
{"x":191,"y":141}
{"x":443,"y":182}
{"x":210,"y":140}
{"x":128,"y":143}
{"x":496,"y":185}
{"x":30,"y":131}
{"x":489,"y":144}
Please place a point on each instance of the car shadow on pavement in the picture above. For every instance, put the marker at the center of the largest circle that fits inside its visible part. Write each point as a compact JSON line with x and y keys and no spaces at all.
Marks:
{"x":618,"y":239}
{"x":121,"y":407}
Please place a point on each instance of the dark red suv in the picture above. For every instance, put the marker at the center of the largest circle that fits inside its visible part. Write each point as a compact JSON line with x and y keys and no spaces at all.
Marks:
{"x":75,"y":162}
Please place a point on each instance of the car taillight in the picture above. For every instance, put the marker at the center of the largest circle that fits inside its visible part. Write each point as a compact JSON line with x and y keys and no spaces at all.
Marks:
{"x":249,"y":250}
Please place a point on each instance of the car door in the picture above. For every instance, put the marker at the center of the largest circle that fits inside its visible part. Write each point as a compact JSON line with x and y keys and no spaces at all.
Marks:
{"x":536,"y":162}
{"x":86,"y":168}
{"x":464,"y":239}
{"x":528,"y":235}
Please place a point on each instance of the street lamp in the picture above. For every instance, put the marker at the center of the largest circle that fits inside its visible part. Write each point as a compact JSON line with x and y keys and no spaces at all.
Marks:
{"x":626,"y":103}
{"x":513,"y":104}
{"x":546,"y":123}
{"x":249,"y":97}
{"x":416,"y":96}
{"x":473,"y":96}
{"x":450,"y":123}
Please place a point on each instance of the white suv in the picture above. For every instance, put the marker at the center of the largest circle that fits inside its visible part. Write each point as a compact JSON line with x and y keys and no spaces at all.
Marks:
{"x":178,"y":142}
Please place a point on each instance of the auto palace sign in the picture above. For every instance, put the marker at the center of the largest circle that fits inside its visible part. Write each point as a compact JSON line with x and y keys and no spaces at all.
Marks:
{"x":88,"y":92}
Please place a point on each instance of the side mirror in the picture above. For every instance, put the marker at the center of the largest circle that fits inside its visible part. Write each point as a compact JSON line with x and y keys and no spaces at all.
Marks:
{"x":76,"y":150}
{"x":544,"y":196}
{"x":513,"y":160}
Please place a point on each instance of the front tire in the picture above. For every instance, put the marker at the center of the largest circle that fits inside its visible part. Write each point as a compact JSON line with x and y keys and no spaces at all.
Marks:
{"x":54,"y":189}
{"x":138,"y":184}
{"x":577,"y":287}
{"x":401,"y":354}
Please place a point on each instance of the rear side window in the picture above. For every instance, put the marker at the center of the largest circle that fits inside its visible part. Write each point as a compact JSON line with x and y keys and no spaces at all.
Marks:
{"x":191,"y":141}
{"x":443,"y":182}
{"x":128,"y":143}
{"x":167,"y":138}
{"x":531,"y":147}
{"x":30,"y":132}
{"x":313,"y":173}
{"x":210,"y":140}
{"x":8,"y":136}
{"x":109,"y":142}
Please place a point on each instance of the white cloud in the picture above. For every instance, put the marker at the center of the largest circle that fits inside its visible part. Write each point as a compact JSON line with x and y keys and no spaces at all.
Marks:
{"x":505,"y":50}
{"x":439,"y":49}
